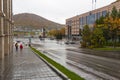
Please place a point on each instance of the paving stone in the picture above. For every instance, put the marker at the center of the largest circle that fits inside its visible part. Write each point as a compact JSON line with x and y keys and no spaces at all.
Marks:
{"x":27,"y":66}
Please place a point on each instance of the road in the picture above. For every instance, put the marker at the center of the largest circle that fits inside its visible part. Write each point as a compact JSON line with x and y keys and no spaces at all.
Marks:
{"x":88,"y":66}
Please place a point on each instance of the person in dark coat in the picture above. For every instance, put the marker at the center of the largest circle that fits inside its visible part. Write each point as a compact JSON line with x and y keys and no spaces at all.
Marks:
{"x":16,"y":46}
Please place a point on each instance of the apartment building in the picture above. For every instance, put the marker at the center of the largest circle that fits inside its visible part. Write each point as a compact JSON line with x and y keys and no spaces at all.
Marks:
{"x":75,"y":24}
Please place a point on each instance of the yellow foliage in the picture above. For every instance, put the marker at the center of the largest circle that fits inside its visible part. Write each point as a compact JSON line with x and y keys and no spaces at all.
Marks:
{"x":112,"y":23}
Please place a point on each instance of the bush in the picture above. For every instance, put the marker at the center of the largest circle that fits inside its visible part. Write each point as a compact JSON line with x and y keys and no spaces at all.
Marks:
{"x":83,"y":44}
{"x":91,"y":47}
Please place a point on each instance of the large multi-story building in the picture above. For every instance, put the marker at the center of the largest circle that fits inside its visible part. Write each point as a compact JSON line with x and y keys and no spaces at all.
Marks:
{"x":75,"y":24}
{"x":5,"y":35}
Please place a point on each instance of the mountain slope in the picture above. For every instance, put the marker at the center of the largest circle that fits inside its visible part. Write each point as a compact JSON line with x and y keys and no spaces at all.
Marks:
{"x":34,"y":21}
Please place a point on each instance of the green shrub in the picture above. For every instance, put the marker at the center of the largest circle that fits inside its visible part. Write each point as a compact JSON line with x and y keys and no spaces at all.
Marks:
{"x":83,"y":44}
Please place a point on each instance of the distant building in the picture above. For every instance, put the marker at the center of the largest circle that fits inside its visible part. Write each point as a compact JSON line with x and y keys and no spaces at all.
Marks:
{"x":75,"y":24}
{"x":26,"y":31}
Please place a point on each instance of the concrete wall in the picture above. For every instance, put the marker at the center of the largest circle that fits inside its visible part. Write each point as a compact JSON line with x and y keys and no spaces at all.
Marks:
{"x":5,"y":36}
{"x":5,"y":27}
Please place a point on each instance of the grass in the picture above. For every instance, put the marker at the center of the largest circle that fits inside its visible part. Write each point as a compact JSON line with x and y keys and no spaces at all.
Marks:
{"x":108,"y":49}
{"x":68,"y":73}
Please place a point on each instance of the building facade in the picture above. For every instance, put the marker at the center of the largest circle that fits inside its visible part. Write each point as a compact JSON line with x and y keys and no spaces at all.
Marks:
{"x":75,"y":24}
{"x":5,"y":35}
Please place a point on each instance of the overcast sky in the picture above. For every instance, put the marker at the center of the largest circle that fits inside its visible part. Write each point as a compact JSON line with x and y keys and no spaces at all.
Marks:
{"x":56,"y":10}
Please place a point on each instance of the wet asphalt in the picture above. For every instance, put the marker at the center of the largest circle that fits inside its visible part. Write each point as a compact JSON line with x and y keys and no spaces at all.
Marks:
{"x":88,"y":66}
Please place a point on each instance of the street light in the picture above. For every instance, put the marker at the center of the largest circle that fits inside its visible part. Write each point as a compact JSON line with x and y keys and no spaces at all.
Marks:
{"x":30,"y":37}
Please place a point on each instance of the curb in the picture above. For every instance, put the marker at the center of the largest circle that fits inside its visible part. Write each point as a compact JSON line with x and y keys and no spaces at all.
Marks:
{"x":62,"y":75}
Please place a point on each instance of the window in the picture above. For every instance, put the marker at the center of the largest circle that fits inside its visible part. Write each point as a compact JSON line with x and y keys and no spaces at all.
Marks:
{"x":81,"y":22}
{"x":98,"y":15}
{"x":104,"y":13}
{"x":69,"y":23}
{"x":91,"y":19}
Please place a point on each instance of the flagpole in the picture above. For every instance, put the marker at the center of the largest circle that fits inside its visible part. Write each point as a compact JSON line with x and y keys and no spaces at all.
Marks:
{"x":95,"y":4}
{"x":92,"y":4}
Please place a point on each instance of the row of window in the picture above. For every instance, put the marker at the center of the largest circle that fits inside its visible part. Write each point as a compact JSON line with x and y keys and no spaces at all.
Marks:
{"x":90,"y":19}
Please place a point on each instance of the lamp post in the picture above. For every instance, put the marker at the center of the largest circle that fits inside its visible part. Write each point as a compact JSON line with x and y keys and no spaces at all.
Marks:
{"x":30,"y":38}
{"x":30,"y":41}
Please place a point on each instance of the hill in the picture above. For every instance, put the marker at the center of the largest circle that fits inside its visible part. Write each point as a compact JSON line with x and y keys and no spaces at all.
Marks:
{"x":34,"y":21}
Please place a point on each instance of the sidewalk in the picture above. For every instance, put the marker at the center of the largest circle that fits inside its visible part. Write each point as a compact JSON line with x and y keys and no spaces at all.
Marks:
{"x":27,"y":66}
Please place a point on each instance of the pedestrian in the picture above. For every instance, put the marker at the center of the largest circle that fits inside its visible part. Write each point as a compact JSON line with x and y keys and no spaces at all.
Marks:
{"x":21,"y":47}
{"x":16,"y":46}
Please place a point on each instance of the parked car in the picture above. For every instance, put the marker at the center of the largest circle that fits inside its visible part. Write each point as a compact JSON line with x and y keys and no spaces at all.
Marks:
{"x":51,"y":38}
{"x":18,"y":41}
{"x":69,"y":42}
{"x":72,"y":42}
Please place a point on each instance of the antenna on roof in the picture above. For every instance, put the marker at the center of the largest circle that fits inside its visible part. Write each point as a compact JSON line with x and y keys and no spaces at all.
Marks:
{"x":94,"y":4}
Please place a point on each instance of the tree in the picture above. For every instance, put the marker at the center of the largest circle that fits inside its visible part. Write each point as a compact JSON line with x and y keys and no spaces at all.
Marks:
{"x":86,"y":33}
{"x":97,"y":38}
{"x":114,"y":12}
{"x":62,"y":31}
{"x":112,"y":22}
{"x":52,"y":33}
{"x":119,"y":25}
{"x":100,"y":24}
{"x":58,"y":34}
{"x":100,"y":21}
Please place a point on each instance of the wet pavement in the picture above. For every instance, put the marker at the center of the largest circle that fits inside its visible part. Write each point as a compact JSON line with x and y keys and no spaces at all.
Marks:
{"x":88,"y":66}
{"x":107,"y":54}
{"x":27,"y":66}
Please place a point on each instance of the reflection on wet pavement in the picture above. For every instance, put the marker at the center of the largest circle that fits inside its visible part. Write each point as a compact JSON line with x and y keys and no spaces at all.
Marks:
{"x":27,"y":66}
{"x":87,"y":66}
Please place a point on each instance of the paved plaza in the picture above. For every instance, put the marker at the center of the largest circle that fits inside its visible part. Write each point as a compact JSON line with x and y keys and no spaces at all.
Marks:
{"x":27,"y":66}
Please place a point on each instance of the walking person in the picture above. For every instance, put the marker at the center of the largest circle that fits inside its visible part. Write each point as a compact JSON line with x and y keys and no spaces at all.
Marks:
{"x":16,"y":46}
{"x":21,"y":47}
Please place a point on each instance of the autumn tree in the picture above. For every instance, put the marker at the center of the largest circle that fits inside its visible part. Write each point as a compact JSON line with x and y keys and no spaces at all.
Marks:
{"x":100,"y":24}
{"x":58,"y":34}
{"x":119,"y":25}
{"x":52,"y":33}
{"x":62,"y":31}
{"x":112,"y":22}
